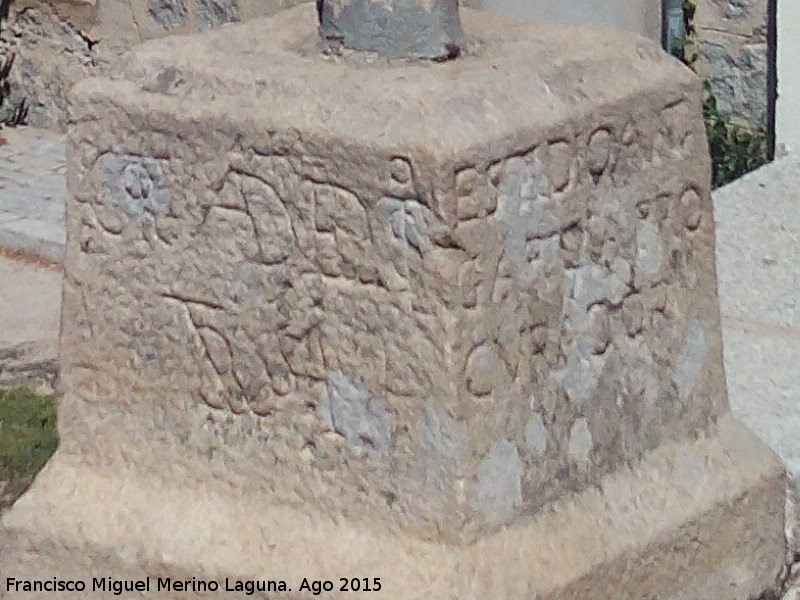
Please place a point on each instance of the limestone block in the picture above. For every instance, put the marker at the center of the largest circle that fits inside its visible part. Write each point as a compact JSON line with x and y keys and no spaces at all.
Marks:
{"x":446,"y":304}
{"x":452,"y":322}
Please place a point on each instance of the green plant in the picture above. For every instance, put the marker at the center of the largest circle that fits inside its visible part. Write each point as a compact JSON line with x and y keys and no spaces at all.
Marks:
{"x":27,"y":439}
{"x":735,"y":150}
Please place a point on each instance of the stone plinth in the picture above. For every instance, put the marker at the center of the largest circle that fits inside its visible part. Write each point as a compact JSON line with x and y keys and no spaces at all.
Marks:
{"x":452,"y":325}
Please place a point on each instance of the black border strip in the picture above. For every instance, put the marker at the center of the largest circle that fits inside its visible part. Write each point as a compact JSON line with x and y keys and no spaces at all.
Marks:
{"x":772,"y":74}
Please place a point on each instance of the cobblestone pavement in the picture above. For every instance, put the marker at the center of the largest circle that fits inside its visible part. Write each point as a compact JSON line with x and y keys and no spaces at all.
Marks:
{"x":33,"y":192}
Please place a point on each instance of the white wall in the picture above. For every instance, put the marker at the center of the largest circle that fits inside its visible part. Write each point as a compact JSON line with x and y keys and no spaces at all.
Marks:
{"x":787,"y":111}
{"x":640,"y":16}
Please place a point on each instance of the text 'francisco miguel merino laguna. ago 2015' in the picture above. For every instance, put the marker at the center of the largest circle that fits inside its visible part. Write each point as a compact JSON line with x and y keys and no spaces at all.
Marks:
{"x":167,"y":584}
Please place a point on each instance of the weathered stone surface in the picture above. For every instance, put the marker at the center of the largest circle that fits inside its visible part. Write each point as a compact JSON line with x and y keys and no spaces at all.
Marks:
{"x":737,"y":73}
{"x":33,"y":193}
{"x":29,"y":365}
{"x":59,"y":42}
{"x":428,"y":302}
{"x":741,"y":17}
{"x":732,"y":55}
{"x":51,"y":54}
{"x":213,"y":13}
{"x":686,"y":523}
{"x":170,"y":14}
{"x":397,"y":28}
{"x":334,"y":282}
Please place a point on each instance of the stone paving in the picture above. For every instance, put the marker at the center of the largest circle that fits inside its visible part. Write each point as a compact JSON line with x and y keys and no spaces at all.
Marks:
{"x":33,"y":192}
{"x":30,"y":307}
{"x":758,"y":262}
{"x":758,"y":265}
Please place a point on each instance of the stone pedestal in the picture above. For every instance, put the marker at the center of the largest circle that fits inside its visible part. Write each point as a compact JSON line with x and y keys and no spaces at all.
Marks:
{"x":450,"y":325}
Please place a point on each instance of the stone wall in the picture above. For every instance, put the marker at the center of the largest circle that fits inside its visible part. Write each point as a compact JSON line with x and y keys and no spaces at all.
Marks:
{"x":731,"y":40}
{"x":59,"y":42}
{"x":732,"y":49}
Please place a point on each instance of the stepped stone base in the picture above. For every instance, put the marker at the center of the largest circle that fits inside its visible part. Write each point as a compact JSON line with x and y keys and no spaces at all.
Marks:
{"x":689,"y":521}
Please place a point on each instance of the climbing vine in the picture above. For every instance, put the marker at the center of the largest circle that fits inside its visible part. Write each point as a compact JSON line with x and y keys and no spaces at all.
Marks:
{"x":735,"y":149}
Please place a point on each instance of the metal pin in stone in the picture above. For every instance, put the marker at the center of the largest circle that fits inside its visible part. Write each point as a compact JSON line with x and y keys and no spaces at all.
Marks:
{"x":422,"y":29}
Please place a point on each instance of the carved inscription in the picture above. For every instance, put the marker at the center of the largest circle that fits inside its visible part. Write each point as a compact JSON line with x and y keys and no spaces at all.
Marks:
{"x":506,"y":320}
